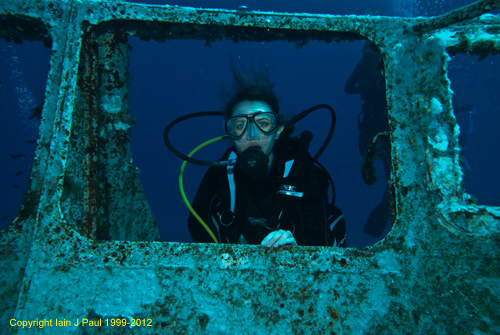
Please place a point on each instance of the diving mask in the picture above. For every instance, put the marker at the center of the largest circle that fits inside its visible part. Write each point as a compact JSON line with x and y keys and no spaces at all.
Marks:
{"x":266,"y":122}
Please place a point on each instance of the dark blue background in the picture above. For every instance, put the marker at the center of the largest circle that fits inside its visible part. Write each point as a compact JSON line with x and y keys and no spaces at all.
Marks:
{"x":179,"y":77}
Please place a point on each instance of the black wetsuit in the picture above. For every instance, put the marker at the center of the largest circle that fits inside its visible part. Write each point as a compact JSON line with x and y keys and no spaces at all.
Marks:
{"x":259,"y":209}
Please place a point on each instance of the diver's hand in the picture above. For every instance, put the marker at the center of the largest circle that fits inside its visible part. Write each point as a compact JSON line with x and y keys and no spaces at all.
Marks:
{"x":279,"y":238}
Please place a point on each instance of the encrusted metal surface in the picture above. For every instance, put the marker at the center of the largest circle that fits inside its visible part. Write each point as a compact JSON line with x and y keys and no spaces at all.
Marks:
{"x":437,"y":272}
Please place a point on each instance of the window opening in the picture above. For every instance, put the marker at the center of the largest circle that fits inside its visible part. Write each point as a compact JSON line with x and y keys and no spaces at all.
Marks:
{"x":22,"y":87}
{"x":179,"y":77}
{"x":476,"y":105}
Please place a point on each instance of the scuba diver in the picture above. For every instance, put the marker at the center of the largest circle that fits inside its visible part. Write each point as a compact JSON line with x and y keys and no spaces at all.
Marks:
{"x":367,"y":80}
{"x":266,"y":189}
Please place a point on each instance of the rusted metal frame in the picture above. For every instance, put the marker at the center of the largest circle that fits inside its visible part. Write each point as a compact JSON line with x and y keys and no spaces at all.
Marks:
{"x":17,"y":28}
{"x":462,"y":42}
{"x":90,"y":84}
{"x":114,"y":144}
{"x":458,"y":15}
{"x":166,"y":30}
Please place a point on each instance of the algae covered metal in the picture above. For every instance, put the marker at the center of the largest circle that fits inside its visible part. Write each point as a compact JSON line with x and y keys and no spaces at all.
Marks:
{"x":84,"y":251}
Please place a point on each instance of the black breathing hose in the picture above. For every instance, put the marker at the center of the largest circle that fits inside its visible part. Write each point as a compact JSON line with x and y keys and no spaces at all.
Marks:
{"x":180,"y":154}
{"x":303,"y":114}
{"x":292,"y":121}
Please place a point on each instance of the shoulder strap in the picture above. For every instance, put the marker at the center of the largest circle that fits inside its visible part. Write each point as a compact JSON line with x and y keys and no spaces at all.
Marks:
{"x":287,"y":188}
{"x":297,"y":167}
{"x":232,"y":184}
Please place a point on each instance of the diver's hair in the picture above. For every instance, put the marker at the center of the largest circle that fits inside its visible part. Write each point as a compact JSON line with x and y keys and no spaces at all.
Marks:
{"x":253,"y":93}
{"x":252,"y":86}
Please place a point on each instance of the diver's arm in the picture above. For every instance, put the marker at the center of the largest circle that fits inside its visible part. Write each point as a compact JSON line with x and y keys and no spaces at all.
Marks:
{"x":335,"y":222}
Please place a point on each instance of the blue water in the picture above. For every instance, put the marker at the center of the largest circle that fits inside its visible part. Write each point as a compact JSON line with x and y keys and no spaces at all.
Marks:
{"x":22,"y":87}
{"x":179,"y":77}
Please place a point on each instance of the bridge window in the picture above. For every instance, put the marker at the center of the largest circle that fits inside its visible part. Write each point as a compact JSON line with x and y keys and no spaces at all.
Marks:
{"x":22,"y":88}
{"x":178,"y":77}
{"x":476,"y":104}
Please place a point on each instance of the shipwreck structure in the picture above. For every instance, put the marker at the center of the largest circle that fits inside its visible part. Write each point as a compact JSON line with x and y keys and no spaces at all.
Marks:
{"x":84,"y":250}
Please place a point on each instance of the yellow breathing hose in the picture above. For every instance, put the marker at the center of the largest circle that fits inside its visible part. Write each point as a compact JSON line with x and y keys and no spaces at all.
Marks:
{"x":181,"y":187}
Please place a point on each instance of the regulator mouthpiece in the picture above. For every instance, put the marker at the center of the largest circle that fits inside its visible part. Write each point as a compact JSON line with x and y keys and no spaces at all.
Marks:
{"x":253,"y":162}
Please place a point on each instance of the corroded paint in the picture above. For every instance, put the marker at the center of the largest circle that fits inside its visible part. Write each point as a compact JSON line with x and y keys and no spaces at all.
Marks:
{"x":436,"y":272}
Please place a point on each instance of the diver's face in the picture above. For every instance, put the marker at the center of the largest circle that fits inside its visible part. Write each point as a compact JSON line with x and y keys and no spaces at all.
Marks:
{"x":253,"y":137}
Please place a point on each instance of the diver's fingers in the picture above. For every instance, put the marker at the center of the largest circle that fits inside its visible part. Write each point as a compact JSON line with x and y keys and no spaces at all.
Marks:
{"x":286,"y":241}
{"x":271,"y":238}
{"x":279,"y":238}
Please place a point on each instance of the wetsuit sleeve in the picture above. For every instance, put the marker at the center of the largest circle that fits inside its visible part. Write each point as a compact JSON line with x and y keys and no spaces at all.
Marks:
{"x":321,"y":222}
{"x":206,"y":197}
{"x":336,"y":235}
{"x":335,"y":225}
